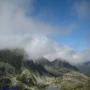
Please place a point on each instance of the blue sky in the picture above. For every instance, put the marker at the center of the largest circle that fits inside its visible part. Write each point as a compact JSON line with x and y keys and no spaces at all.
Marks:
{"x":65,"y":13}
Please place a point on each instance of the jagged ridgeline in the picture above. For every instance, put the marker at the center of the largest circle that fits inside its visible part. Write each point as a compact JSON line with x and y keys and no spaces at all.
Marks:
{"x":21,"y":73}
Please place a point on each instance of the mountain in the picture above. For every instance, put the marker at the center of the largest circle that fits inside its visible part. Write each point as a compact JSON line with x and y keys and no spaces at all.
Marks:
{"x":84,"y":68}
{"x":58,"y":63}
{"x":21,"y":73}
{"x":35,"y":67}
{"x":43,"y":61}
{"x":58,"y":67}
{"x":75,"y":81}
{"x":13,"y":57}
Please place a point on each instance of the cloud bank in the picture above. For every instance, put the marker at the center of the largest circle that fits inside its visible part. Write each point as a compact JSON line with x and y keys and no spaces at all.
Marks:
{"x":19,"y":30}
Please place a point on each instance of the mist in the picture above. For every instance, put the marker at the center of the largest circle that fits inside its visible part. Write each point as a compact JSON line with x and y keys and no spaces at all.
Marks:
{"x":22,"y":31}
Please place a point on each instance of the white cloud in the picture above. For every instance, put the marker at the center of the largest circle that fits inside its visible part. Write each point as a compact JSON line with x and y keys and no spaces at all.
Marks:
{"x":16,"y":27}
{"x":18,"y":30}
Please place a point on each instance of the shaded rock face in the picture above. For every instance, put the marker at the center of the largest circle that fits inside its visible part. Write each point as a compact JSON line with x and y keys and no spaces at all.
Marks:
{"x":45,"y":67}
{"x":43,"y":61}
{"x":13,"y":57}
{"x":59,"y":63}
{"x":57,"y":67}
{"x":6,"y":69}
{"x":37,"y":68}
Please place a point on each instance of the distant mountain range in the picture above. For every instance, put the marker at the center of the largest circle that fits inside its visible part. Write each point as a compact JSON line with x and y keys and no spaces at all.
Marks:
{"x":42,"y":65}
{"x":84,"y":68}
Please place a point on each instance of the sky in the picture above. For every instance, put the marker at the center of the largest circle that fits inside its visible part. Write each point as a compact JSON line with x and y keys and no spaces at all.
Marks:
{"x":48,"y":28}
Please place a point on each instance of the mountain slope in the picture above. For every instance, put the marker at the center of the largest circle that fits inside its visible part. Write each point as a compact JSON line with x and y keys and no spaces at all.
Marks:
{"x":58,"y":67}
{"x":59,"y":63}
{"x":75,"y":81}
{"x":26,"y":74}
{"x":84,"y":68}
{"x":13,"y":57}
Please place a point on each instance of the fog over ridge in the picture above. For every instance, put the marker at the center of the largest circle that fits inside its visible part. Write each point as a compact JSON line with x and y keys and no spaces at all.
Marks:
{"x":18,"y":30}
